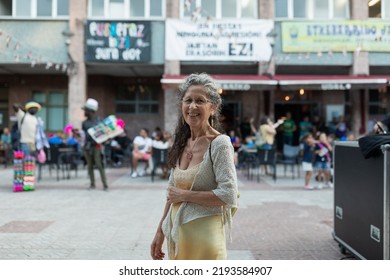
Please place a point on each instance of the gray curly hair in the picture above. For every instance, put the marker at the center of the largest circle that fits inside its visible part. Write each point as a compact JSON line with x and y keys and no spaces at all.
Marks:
{"x":182,"y":130}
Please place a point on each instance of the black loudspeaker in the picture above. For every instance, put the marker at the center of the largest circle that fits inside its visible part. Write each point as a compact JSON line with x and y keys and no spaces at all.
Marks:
{"x":361,"y":202}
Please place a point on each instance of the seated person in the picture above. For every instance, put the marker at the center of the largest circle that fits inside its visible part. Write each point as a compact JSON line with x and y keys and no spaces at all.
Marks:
{"x":141,"y":151}
{"x":123,"y":140}
{"x":118,"y":148}
{"x":160,"y":143}
{"x":74,"y":138}
{"x":6,"y":145}
{"x":116,"y":152}
{"x":57,"y":139}
{"x":249,"y":144}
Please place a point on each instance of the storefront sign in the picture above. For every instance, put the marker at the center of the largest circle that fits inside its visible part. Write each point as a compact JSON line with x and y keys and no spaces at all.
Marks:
{"x":218,"y":40}
{"x":235,"y":86}
{"x":335,"y":86}
{"x":117,"y":41}
{"x":312,"y":36}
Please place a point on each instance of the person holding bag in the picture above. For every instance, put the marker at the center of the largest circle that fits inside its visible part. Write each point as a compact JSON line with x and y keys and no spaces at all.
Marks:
{"x":32,"y":138}
{"x":202,"y":187}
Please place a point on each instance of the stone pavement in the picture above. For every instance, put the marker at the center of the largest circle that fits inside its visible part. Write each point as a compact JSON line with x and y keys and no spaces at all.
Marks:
{"x":63,"y":220}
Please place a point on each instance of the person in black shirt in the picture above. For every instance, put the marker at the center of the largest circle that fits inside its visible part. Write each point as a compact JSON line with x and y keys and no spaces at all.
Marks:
{"x":119,"y":145}
{"x":92,"y":150}
{"x":247,"y":129}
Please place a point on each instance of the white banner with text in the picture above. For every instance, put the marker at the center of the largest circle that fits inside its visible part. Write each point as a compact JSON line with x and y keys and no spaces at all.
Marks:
{"x":217,"y":40}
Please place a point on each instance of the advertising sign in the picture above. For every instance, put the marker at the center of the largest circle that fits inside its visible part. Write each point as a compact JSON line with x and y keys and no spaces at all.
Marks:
{"x":340,"y":36}
{"x":117,"y":41}
{"x":217,"y":40}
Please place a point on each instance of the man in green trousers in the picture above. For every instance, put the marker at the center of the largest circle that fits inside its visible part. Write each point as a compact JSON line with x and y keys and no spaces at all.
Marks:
{"x":92,"y":150}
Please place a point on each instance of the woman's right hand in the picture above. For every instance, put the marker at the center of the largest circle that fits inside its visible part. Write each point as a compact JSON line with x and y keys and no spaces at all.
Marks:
{"x":156,"y":246}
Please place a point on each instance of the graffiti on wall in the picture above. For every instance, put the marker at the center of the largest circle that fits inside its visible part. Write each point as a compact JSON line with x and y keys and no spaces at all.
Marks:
{"x":117,"y":41}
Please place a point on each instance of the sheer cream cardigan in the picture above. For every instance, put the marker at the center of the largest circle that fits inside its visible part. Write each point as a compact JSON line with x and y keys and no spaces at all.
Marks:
{"x":217,"y":175}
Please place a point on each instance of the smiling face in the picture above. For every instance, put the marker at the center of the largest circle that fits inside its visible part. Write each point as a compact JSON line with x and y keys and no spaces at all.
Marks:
{"x":196,"y":107}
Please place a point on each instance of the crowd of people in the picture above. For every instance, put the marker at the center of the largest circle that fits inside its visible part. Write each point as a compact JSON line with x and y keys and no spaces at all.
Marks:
{"x":202,"y":193}
{"x":267,"y":135}
{"x":315,"y":139}
{"x":27,"y":135}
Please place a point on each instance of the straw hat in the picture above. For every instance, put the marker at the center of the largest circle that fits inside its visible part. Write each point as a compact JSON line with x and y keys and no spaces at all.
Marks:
{"x":32,"y":104}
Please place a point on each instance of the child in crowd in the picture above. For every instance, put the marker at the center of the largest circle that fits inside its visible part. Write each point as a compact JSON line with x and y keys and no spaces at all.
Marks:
{"x":307,"y":160}
{"x":323,"y":160}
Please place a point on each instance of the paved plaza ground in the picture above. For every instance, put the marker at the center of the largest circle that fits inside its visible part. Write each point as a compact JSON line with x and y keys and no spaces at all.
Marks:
{"x":64,"y":220}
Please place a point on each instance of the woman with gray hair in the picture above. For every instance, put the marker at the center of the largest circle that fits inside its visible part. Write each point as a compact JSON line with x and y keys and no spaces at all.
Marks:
{"x":202,"y":188}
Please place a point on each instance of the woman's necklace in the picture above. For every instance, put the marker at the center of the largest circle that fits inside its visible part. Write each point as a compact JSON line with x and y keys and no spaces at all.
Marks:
{"x":189,"y":153}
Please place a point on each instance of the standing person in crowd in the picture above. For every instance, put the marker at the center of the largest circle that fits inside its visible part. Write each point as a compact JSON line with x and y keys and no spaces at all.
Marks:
{"x":155,"y":131}
{"x":142,"y":150}
{"x":332,"y":125}
{"x":7,"y":147}
{"x":32,"y":136}
{"x":305,"y":127}
{"x":341,"y":129}
{"x":247,"y":128}
{"x":319,"y":125}
{"x":203,"y":183}
{"x":323,"y":160}
{"x":93,"y":150}
{"x":159,"y":142}
{"x":267,"y":130}
{"x":235,"y":140}
{"x":289,"y":128}
{"x":309,"y":143}
{"x":168,"y":138}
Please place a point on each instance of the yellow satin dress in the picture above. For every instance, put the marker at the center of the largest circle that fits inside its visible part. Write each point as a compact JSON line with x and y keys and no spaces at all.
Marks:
{"x":203,"y":238}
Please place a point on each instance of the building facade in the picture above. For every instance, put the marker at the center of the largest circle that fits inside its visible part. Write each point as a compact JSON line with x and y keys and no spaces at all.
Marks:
{"x":325,"y":58}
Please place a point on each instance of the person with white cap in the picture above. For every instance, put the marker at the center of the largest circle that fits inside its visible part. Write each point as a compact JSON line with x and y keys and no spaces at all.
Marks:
{"x":92,"y":150}
{"x":30,"y":126}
